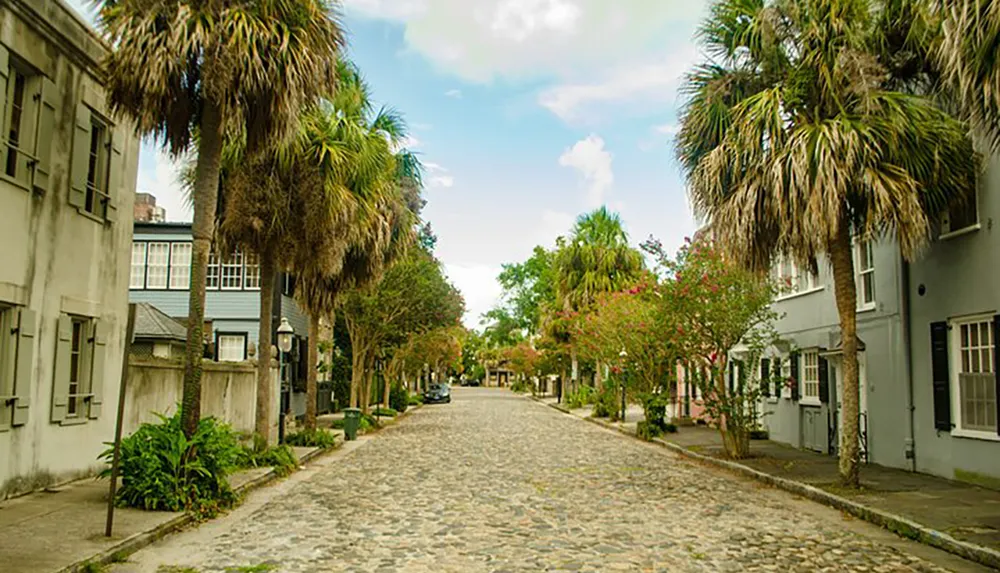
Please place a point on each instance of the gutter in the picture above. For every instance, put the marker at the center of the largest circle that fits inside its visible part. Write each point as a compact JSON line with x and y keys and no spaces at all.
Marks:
{"x":910,"y":450}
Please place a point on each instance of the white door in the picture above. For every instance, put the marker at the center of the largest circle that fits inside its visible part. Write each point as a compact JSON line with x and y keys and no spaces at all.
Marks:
{"x":862,"y":403}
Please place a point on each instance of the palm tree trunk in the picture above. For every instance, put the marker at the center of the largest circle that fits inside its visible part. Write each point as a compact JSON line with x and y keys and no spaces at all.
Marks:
{"x":845,"y":290}
{"x":310,"y":419}
{"x":206,"y":189}
{"x":262,"y":422}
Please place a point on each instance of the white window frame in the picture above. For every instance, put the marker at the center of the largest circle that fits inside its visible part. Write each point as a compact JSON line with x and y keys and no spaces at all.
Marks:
{"x":791,"y":280}
{"x":213,"y":274}
{"x":860,"y":273}
{"x":138,"y":282}
{"x":165,"y":265}
{"x":180,"y":272}
{"x":84,"y":361}
{"x":229,"y":353}
{"x":233,"y":263}
{"x":27,"y":146}
{"x":251,"y":272}
{"x":810,"y":378}
{"x":957,"y":366}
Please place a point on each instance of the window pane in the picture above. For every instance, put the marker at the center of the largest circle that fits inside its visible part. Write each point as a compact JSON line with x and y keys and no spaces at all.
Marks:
{"x":180,"y":265}
{"x":212,"y":274}
{"x":231,"y":348}
{"x":138,"y":276}
{"x":158,"y":255}
{"x":869,"y":287}
{"x":251,"y":279}
{"x":232,"y":272}
{"x":965,"y":335}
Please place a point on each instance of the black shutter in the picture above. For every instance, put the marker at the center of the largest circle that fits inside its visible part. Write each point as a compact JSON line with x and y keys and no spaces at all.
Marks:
{"x":778,"y":381}
{"x":741,"y":377}
{"x":940,"y":377}
{"x":824,"y":381}
{"x":794,"y":364}
{"x":996,"y":363}
{"x":765,"y":373}
{"x":732,"y":376}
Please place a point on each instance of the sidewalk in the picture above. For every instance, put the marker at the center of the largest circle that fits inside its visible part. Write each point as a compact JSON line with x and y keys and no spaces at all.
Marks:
{"x":965,"y":512}
{"x":57,"y":529}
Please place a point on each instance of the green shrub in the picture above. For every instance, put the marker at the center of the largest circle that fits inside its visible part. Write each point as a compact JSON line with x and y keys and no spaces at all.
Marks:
{"x":654,"y":409}
{"x":648,"y":430}
{"x":163,"y":470}
{"x":416,"y":400}
{"x":670,"y":428}
{"x":399,"y":398}
{"x":582,"y":397}
{"x":259,"y":455}
{"x":337,"y":424}
{"x":385,"y":412}
{"x":341,"y":393}
{"x":312,"y":439}
{"x":522,"y":386}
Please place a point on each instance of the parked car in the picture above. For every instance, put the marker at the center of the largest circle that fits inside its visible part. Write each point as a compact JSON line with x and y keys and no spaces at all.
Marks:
{"x":438,"y":394}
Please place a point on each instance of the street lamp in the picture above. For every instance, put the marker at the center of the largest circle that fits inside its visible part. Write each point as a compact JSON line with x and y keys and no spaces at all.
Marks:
{"x":285,"y":333}
{"x":624,"y":357}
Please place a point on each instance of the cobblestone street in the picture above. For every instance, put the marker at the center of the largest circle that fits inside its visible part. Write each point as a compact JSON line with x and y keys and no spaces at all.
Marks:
{"x":494,"y":482}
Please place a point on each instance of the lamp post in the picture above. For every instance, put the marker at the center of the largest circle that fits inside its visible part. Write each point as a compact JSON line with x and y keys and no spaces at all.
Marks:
{"x":285,"y":333}
{"x":624,"y":357}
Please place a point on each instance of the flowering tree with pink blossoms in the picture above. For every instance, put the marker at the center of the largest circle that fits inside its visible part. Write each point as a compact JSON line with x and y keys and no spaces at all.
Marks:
{"x":719,"y":309}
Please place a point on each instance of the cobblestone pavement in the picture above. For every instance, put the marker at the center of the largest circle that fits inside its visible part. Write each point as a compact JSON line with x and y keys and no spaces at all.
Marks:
{"x":494,"y":482}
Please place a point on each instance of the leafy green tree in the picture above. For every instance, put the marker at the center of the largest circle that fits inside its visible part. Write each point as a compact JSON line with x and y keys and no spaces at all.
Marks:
{"x":795,"y":137}
{"x":967,"y":56}
{"x":186,"y":67}
{"x":594,"y":260}
{"x":527,"y":288}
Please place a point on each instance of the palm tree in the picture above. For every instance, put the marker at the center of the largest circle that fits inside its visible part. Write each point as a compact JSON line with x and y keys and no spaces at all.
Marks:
{"x":596,"y":259}
{"x":182,"y":67}
{"x":967,"y":56}
{"x":793,"y":141}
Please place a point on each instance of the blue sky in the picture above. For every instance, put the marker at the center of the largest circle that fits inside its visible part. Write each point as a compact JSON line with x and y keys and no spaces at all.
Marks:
{"x":526,"y":114}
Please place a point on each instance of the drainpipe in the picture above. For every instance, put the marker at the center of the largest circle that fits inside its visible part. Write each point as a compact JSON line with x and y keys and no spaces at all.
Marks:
{"x":911,"y":447}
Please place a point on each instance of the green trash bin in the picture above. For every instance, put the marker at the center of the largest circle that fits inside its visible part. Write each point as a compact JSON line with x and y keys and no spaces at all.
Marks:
{"x":352,"y":420}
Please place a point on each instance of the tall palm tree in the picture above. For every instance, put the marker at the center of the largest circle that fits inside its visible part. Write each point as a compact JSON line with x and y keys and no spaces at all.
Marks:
{"x":203,"y":66}
{"x":793,"y":141}
{"x":967,"y":55}
{"x":596,"y":259}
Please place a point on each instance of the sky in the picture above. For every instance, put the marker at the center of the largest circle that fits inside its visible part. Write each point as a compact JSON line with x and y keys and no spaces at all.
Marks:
{"x":525,"y":113}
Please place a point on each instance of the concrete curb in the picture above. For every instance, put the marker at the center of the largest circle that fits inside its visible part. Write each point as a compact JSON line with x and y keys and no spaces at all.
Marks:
{"x":137,"y":541}
{"x":902,"y":526}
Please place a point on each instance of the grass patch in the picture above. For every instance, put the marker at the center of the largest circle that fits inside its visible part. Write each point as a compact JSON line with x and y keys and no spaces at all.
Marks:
{"x":312,"y":439}
{"x":119,"y":557}
{"x":385,"y":412}
{"x":259,"y":568}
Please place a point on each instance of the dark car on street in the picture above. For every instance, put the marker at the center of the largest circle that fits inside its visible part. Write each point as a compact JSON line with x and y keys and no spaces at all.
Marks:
{"x":438,"y":394}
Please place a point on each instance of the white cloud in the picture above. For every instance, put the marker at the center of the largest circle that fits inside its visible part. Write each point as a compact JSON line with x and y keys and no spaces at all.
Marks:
{"x":479,"y":287}
{"x":654,"y":82}
{"x":483,"y":40}
{"x":162,"y":181}
{"x":593,"y":161}
{"x":667,"y":129}
{"x":439,"y":181}
{"x":457,"y":94}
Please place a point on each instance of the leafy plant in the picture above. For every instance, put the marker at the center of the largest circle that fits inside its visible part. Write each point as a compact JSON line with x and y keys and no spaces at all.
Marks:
{"x":312,"y":439}
{"x":648,"y":430}
{"x":582,"y":397}
{"x":522,"y":386}
{"x":385,"y":412}
{"x":416,"y":400}
{"x":258,"y":455}
{"x":163,"y":470}
{"x":399,"y":398}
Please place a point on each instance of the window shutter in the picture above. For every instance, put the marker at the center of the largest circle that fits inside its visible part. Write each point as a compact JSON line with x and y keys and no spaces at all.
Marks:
{"x":940,"y":377}
{"x":81,"y":158}
{"x":23,"y":365}
{"x":98,"y":373}
{"x":794,"y":369}
{"x":60,"y":378}
{"x":732,"y":376}
{"x":778,"y":373}
{"x":996,"y":363}
{"x":46,"y":133}
{"x":115,"y":175}
{"x":765,"y":377}
{"x":824,"y":380}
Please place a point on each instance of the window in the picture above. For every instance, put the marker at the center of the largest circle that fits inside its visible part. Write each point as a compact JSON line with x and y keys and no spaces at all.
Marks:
{"x":865,"y":265}
{"x":976,"y":377}
{"x":231,"y":347}
{"x":961,"y":217}
{"x":791,"y":279}
{"x":810,"y":376}
{"x":180,"y":266}
{"x":7,"y":354}
{"x":212,"y":273}
{"x":77,"y":367}
{"x":98,"y":167}
{"x":157,"y":261}
{"x":232,"y":272}
{"x":251,"y":279}
{"x":138,"y":277}
{"x":16,"y":85}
